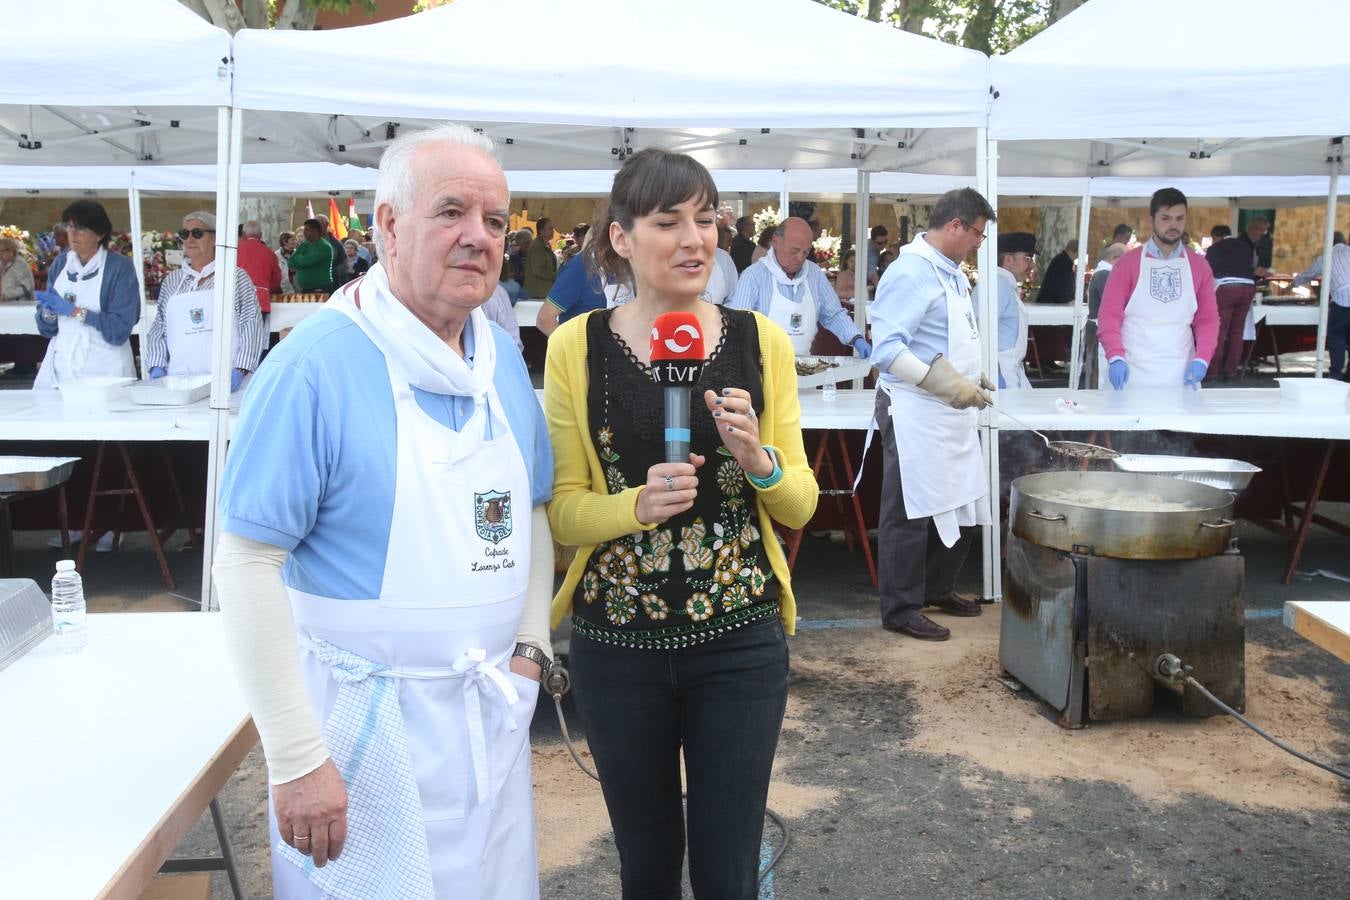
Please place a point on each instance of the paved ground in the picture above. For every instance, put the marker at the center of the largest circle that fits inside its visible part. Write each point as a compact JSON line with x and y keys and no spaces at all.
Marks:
{"x":906,"y":768}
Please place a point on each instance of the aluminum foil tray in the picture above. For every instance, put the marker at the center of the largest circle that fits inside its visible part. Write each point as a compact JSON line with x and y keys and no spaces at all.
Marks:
{"x":171,"y":390}
{"x":34,"y":473}
{"x":25,"y":618}
{"x":840,"y":369}
{"x":1225,"y":474}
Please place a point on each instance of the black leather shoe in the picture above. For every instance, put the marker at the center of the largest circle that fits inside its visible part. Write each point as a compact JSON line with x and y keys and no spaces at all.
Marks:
{"x":956,"y":605}
{"x":922,"y":628}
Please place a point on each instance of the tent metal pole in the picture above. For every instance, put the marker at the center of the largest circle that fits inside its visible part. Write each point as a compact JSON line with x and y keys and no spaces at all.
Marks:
{"x":860,"y":226}
{"x":1079,"y":309}
{"x":1324,"y":295}
{"x":986,"y":172}
{"x":228,"y":152}
{"x":783,"y":198}
{"x":1233,"y":213}
{"x":138,"y":258}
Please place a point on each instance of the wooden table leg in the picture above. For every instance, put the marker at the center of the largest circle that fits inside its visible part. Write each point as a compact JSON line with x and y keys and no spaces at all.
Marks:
{"x":89,"y":507}
{"x":63,"y":519}
{"x":1305,"y":523}
{"x":860,"y":522}
{"x":145,"y":516}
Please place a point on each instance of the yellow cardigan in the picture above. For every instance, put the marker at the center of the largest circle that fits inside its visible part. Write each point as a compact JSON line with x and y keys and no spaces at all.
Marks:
{"x":583,"y":514}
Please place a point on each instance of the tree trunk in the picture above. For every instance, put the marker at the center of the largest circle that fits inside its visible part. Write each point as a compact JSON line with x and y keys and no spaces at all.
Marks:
{"x":1057,"y":226}
{"x":874,"y":9}
{"x":298,"y":14}
{"x":1061,"y":8}
{"x":255,"y":13}
{"x":979,"y":31}
{"x":271,"y":212}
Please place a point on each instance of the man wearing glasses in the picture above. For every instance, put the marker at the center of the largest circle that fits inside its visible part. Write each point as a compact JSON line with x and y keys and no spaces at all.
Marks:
{"x":934,"y":487}
{"x":179,"y":340}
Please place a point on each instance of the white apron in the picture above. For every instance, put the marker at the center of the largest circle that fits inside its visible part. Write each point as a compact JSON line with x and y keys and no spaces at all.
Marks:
{"x":798,"y":319}
{"x":1157,"y":327}
{"x":445,"y":625}
{"x":941,"y":464}
{"x":78,"y":350}
{"x":188,"y":322}
{"x":1011,"y":362}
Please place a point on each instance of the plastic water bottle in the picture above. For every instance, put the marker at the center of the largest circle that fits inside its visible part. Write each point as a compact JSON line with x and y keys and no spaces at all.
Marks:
{"x":829,"y":392}
{"x":68,"y":610}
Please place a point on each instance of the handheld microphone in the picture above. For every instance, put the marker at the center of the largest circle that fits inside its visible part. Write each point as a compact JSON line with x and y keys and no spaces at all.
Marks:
{"x":677,"y":363}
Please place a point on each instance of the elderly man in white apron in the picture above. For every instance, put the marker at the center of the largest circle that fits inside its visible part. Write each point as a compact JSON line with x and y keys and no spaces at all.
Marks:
{"x":935,"y":490}
{"x":391,"y":455}
{"x":178,"y":342}
{"x":793,"y":291}
{"x":1159,"y":319}
{"x":1016,"y":260}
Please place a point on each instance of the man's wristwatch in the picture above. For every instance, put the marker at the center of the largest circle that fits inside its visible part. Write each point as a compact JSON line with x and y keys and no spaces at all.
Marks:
{"x":534,"y":655}
{"x":79,"y":314}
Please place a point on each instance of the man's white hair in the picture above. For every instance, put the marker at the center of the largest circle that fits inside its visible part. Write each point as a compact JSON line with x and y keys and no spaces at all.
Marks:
{"x":396,"y":185}
{"x":252,"y":229}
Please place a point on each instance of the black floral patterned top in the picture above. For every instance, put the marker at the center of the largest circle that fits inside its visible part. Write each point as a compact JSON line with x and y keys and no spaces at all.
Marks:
{"x":701,"y":573}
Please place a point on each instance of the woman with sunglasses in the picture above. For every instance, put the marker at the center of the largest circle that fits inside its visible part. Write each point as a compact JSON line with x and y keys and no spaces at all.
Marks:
{"x":680,"y":594}
{"x":179,"y":340}
{"x":91,"y":303}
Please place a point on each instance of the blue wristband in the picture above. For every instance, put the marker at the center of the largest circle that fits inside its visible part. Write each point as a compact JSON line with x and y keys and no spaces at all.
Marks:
{"x":773,"y":477}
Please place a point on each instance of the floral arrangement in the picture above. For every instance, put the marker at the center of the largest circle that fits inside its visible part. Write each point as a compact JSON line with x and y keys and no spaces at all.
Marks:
{"x":827,"y":248}
{"x":157,"y":242}
{"x":26,"y":244}
{"x":765,"y":218}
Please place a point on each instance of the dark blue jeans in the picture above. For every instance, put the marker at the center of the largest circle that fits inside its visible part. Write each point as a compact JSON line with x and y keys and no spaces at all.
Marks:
{"x":1338,"y":336}
{"x":723,"y":702}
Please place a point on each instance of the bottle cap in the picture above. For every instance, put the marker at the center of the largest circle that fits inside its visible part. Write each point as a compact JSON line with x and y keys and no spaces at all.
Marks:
{"x":66,"y":565}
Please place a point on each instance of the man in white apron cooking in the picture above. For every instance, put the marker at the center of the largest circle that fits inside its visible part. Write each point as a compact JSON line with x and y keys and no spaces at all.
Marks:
{"x":1159,"y":320}
{"x":178,"y":342}
{"x":386,"y":566}
{"x":793,"y":291}
{"x":1016,"y":260}
{"x":935,"y":489}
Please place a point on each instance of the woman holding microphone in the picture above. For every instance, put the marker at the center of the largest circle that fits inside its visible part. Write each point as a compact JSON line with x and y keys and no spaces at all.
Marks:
{"x":679,"y":595}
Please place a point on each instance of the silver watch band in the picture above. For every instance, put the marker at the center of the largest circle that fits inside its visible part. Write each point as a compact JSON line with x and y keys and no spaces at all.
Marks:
{"x":535,"y":655}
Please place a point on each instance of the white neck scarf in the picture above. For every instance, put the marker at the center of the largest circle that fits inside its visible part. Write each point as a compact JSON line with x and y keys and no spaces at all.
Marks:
{"x":196,"y":280}
{"x":75,"y":270}
{"x":413,"y":349}
{"x":1104,"y":266}
{"x":771,"y":263}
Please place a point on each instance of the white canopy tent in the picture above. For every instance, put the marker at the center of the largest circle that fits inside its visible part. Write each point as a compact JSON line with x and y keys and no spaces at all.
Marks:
{"x":89,"y":83}
{"x":1197,"y":112}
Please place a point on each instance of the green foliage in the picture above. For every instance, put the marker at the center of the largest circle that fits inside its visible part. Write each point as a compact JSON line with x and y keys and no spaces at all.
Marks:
{"x":991,"y":26}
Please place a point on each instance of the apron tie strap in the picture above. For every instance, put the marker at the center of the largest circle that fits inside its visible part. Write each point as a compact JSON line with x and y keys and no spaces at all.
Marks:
{"x":482,"y":677}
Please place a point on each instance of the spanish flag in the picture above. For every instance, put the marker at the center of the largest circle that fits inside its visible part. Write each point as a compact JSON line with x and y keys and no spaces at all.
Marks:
{"x":336,"y":223}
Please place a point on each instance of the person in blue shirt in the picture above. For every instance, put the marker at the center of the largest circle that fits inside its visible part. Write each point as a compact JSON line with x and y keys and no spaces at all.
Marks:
{"x":793,"y":291}
{"x":386,"y":566}
{"x":1016,"y":261}
{"x":575,"y":291}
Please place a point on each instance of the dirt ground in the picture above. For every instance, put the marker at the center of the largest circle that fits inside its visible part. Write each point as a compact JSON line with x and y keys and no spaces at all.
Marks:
{"x":907,"y":768}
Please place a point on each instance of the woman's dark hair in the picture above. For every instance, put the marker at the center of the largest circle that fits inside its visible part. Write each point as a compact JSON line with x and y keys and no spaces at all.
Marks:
{"x":650,"y":180}
{"x":91,"y":216}
{"x":766,"y":235}
{"x":848,"y":254}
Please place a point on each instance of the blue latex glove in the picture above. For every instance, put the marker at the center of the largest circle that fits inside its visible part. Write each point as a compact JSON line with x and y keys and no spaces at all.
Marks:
{"x":236,"y":379}
{"x":1119,"y":373}
{"x":157,"y":372}
{"x":54,"y":303}
{"x":1195,"y":373}
{"x":864,"y":348}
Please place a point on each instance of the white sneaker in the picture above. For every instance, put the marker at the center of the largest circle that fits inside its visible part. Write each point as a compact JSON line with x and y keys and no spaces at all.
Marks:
{"x":55,"y":543}
{"x":105,"y":543}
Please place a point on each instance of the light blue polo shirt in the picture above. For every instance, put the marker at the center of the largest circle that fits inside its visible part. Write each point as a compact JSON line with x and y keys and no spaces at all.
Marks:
{"x":312,"y":459}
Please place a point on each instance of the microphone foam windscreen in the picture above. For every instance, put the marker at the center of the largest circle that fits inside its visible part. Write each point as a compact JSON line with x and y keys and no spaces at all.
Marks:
{"x":677,"y":336}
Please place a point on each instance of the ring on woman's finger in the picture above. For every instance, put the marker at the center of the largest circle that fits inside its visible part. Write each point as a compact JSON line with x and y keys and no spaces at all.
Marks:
{"x":750,"y":413}
{"x":670,"y":483}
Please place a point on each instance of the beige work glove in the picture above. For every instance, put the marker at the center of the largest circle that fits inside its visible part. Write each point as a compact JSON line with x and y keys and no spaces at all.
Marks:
{"x":987,"y":384}
{"x":953,"y":388}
